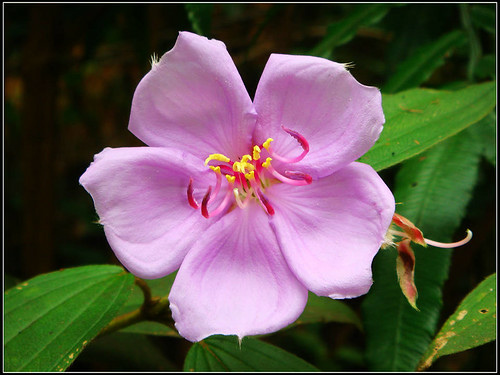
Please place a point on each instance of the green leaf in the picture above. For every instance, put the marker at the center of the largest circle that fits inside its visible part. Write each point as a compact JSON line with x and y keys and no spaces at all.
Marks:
{"x":485,"y":132}
{"x":200,"y":16}
{"x":419,"y":118}
{"x":484,"y":16}
{"x":419,"y":67}
{"x":486,"y":67}
{"x":472,"y":324}
{"x":151,"y":328}
{"x":223,"y":353}
{"x":343,"y":31}
{"x":434,"y":191}
{"x":324,"y":309}
{"x":49,"y":319}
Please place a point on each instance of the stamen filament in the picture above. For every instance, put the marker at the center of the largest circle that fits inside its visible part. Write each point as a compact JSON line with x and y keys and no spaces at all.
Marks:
{"x":222,"y":205}
{"x":192,"y":201}
{"x":443,"y":245}
{"x":204,"y":202}
{"x":265,"y":202}
{"x":297,"y":175}
{"x":237,"y":198}
{"x":450,"y":245}
{"x":217,"y":184}
{"x":302,"y":141}
{"x":305,"y":178}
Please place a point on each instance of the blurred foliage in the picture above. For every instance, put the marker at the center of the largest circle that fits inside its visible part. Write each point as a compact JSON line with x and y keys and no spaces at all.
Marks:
{"x":70,"y":71}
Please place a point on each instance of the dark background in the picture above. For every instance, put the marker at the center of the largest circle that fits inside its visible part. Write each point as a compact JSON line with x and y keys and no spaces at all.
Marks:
{"x":70,"y":72}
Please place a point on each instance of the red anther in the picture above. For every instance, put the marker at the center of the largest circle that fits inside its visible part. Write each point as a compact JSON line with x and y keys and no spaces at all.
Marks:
{"x":299,"y":137}
{"x":265,"y":202}
{"x":204,"y":203}
{"x":225,"y":169}
{"x":191,"y":200}
{"x":409,"y":228}
{"x":296,"y":175}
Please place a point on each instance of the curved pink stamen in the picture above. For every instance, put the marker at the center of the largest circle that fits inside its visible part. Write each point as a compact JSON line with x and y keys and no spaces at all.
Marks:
{"x":239,"y":202}
{"x":265,"y":202}
{"x":226,"y":169}
{"x":302,"y":141}
{"x":204,"y":202}
{"x":217,"y":186}
{"x":222,"y":205}
{"x":444,"y":245}
{"x":191,"y":199}
{"x":305,"y":179}
{"x":296,"y":175}
{"x":450,"y":245}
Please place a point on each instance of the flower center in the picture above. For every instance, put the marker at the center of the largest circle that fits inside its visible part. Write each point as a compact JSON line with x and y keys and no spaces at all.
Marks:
{"x":246,"y":179}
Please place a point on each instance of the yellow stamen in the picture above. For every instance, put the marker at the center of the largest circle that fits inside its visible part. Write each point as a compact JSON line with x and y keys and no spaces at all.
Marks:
{"x":256,"y":152}
{"x":249,"y":166}
{"x":242,"y":167}
{"x":215,"y":169}
{"x":237,"y":167}
{"x":230,"y":179}
{"x":246,"y":158}
{"x":266,"y":143}
{"x":218,"y":157}
{"x":267,"y":163}
{"x":250,"y":176}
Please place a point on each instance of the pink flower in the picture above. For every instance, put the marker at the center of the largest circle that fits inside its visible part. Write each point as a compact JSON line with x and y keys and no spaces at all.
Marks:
{"x":251,"y":223}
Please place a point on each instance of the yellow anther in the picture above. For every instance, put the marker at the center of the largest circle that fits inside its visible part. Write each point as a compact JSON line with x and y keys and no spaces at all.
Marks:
{"x":250,"y":176}
{"x":242,"y":167}
{"x":215,"y":169}
{"x":230,"y":179}
{"x":267,"y":163}
{"x":246,"y":158}
{"x":218,"y":157}
{"x":256,"y":152}
{"x":248,"y":166}
{"x":266,"y":143}
{"x":237,"y":167}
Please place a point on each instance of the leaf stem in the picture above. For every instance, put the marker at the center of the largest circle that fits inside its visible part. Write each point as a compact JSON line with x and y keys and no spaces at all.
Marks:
{"x":152,"y":309}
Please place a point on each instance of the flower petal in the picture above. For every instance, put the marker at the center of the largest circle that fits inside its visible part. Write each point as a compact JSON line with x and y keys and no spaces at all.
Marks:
{"x":329,"y":231}
{"x":140,"y":195}
{"x":194,"y":99}
{"x":235,"y":281}
{"x":339,"y":117}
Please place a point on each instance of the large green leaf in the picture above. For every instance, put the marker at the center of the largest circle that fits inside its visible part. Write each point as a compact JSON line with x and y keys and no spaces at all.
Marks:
{"x":49,"y":319}
{"x":324,"y":309}
{"x":485,"y":132}
{"x":433,"y":190}
{"x":224,"y":353}
{"x":472,"y":324}
{"x":341,"y":32}
{"x":419,"y":67}
{"x":151,"y":328}
{"x":419,"y":118}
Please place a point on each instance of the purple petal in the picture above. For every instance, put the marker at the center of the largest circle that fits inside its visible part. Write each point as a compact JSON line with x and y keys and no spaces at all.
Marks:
{"x":194,"y":99}
{"x":330,"y":231}
{"x":340,"y":118}
{"x":235,"y":281}
{"x":140,"y":196}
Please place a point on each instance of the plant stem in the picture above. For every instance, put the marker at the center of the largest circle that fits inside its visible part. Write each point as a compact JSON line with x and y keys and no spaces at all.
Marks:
{"x":152,"y":309}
